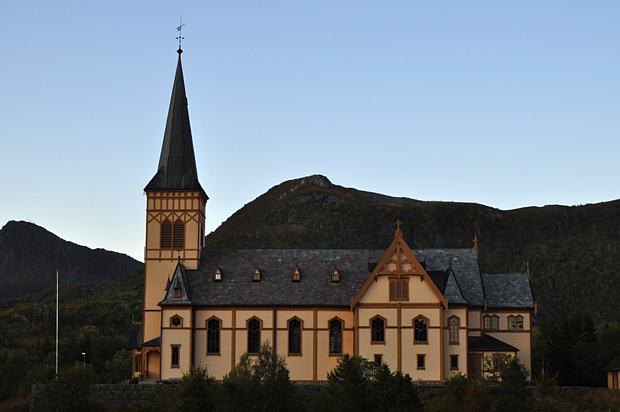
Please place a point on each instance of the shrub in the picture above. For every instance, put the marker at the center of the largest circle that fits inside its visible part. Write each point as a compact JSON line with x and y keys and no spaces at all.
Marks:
{"x":258,"y":384}
{"x":71,"y":391}
{"x":195,"y":392}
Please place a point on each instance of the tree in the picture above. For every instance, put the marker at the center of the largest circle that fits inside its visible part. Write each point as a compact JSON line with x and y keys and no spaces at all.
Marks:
{"x":394,"y":392}
{"x":119,"y":367}
{"x":71,"y":391}
{"x":350,"y":384}
{"x":258,"y":384}
{"x":513,"y":393}
{"x":196,"y":392}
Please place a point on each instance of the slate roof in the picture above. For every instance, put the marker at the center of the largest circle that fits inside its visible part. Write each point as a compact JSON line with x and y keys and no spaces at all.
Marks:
{"x":614,"y":365}
{"x":487,"y":343}
{"x":153,"y":342}
{"x":135,"y":336}
{"x":277,"y":266}
{"x":456,"y":273}
{"x":178,"y":281}
{"x":508,"y":290}
{"x":464,"y":264}
{"x":177,"y":163}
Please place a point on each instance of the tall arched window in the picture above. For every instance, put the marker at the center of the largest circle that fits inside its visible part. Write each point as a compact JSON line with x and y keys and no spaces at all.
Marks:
{"x":294,"y":336}
{"x":178,"y":235}
{"x":166,"y":235}
{"x":420,"y":326}
{"x":453,"y":324}
{"x":213,"y":336}
{"x":335,"y":337}
{"x":253,"y":336}
{"x":378,"y":329}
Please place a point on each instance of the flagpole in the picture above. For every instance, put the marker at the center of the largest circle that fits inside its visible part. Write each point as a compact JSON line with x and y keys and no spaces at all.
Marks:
{"x":56,"y":323}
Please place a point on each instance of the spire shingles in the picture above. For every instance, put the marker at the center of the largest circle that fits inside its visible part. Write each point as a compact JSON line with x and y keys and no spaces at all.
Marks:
{"x":177,"y":163}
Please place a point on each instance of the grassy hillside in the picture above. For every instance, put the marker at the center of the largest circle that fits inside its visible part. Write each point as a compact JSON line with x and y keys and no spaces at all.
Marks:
{"x":573,"y":252}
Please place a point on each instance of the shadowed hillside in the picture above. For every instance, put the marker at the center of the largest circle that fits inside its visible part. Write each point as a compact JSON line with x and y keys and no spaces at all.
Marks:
{"x":30,"y":255}
{"x":573,"y":252}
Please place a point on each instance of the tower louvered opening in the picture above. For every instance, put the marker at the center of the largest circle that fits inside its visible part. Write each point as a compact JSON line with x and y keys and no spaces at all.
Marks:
{"x":166,"y":234}
{"x":178,"y":239}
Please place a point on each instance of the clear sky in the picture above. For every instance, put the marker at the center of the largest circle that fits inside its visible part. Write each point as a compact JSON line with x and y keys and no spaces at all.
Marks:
{"x":503,"y":103}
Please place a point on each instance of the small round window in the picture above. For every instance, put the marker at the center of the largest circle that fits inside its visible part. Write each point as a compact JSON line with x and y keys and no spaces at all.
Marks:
{"x":176,"y":321}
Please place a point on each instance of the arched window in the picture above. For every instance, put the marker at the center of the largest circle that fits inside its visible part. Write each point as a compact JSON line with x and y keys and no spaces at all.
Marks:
{"x":511,"y":322}
{"x":420,"y":326}
{"x":294,"y":336}
{"x":378,"y":329}
{"x":178,"y":235}
{"x":166,"y":235}
{"x":495,"y":322}
{"x":453,"y":324}
{"x":253,"y":336}
{"x":213,"y":336}
{"x":520,"y":322}
{"x":335,"y":337}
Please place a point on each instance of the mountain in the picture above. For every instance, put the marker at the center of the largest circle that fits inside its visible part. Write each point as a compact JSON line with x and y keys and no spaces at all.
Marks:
{"x":573,"y":252}
{"x":30,"y":256}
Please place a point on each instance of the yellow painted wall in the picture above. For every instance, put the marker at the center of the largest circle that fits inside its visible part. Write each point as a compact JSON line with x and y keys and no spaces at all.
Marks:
{"x":459,"y":349}
{"x":160,"y":264}
{"x":153,"y":365}
{"x":520,"y":340}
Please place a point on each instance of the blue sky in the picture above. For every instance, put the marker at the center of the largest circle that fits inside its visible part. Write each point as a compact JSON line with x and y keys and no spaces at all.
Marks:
{"x":507,"y":104}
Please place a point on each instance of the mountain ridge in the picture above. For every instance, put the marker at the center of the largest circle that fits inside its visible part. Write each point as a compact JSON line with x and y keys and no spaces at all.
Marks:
{"x":30,"y":256}
{"x":572,"y":252}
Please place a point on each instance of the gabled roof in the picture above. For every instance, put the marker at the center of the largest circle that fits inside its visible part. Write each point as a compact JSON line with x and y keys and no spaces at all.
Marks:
{"x":413,"y":267}
{"x":453,"y":292}
{"x":508,"y":290}
{"x":464,"y":264}
{"x":178,"y":282}
{"x":487,"y":343}
{"x":177,"y":163}
{"x":614,"y":365}
{"x":135,"y":336}
{"x":153,"y":342}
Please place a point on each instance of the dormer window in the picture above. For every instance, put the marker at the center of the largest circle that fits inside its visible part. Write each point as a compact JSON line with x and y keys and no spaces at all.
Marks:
{"x":217,"y":276}
{"x":335,"y":276}
{"x":177,"y":292}
{"x":296,"y":276}
{"x":256,"y":276}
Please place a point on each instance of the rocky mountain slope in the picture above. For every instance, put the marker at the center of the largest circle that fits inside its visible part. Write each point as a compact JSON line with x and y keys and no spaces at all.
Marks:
{"x":30,"y":255}
{"x":573,"y":252}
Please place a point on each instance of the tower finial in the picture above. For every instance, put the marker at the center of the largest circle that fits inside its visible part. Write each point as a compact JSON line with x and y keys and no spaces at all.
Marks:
{"x":180,"y":37}
{"x":398,"y":231}
{"x":476,"y":242}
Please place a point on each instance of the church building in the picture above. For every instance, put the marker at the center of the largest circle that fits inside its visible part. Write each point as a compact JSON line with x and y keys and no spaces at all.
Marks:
{"x":430,"y":313}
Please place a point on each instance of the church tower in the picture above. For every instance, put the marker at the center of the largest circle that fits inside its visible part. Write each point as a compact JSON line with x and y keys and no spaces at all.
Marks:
{"x":175,"y":214}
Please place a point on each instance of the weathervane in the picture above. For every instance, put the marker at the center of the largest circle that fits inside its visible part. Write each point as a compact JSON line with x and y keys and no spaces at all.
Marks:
{"x":180,"y":37}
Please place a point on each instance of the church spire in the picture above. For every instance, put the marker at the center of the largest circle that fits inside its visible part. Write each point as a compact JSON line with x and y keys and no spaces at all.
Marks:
{"x":177,"y":163}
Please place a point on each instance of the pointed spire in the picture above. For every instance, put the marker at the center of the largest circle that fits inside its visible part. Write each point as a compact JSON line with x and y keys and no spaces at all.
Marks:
{"x":476,"y":241}
{"x":177,"y":163}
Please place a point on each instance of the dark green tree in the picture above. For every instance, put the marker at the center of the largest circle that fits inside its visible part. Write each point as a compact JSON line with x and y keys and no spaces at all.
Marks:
{"x":261,"y":384}
{"x":71,"y":392}
{"x":350,"y":385}
{"x":394,"y":392}
{"x":195,"y":392}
